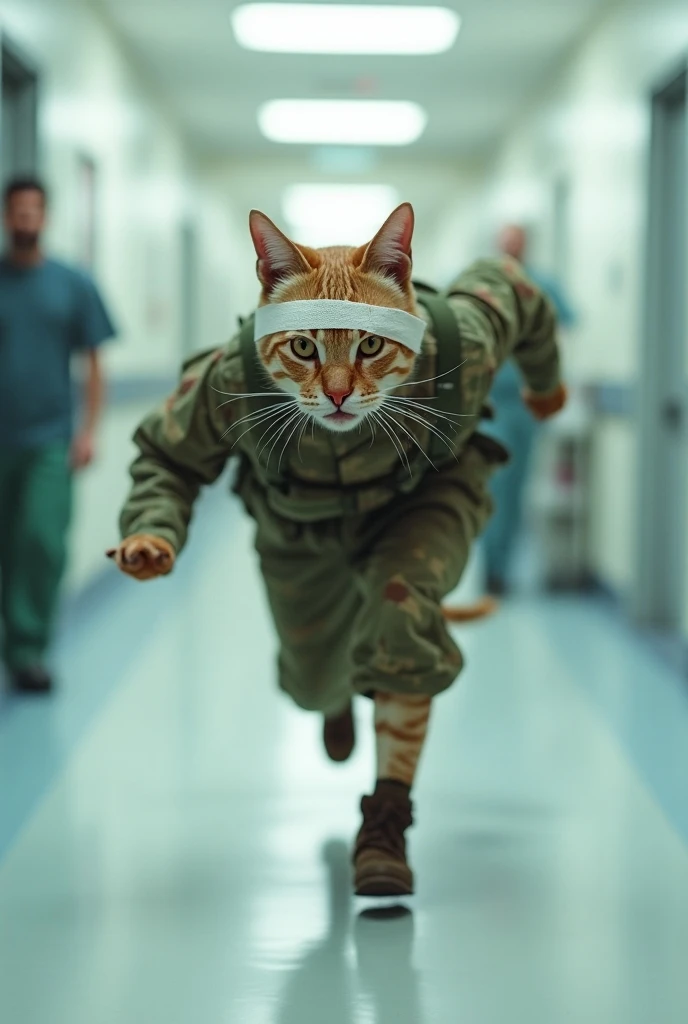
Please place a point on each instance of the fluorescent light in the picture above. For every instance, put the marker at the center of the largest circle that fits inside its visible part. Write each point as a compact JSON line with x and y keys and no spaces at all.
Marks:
{"x":329,"y":214}
{"x":312,"y":202}
{"x":353,"y":122}
{"x":344,"y":28}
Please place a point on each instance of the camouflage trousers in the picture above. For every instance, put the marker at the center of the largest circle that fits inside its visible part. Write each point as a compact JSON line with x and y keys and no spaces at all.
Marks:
{"x":356,"y":601}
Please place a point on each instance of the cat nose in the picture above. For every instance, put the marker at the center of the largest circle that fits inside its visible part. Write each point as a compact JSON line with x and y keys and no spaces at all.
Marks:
{"x":338,"y":395}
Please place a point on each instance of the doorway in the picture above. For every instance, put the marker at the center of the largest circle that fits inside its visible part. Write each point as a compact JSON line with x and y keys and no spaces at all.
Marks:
{"x":18,"y":112}
{"x":189,"y":285}
{"x":662,"y":393}
{"x":561,"y":220}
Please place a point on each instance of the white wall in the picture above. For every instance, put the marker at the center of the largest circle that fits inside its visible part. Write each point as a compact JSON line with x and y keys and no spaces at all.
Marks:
{"x":440,"y":191}
{"x":592,"y":126}
{"x":93,"y":102}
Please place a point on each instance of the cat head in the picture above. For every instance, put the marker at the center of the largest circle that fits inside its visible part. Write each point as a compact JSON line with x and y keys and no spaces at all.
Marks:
{"x":337,"y":376}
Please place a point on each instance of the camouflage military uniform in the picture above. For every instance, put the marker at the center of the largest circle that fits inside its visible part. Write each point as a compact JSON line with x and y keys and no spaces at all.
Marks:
{"x":358,"y":546}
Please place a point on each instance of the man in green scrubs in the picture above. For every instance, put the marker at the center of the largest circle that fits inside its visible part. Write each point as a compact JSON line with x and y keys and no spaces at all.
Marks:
{"x":48,"y":312}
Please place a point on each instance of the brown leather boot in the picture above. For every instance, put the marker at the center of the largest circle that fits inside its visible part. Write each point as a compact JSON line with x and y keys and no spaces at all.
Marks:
{"x":339,"y":735}
{"x":380,"y":864}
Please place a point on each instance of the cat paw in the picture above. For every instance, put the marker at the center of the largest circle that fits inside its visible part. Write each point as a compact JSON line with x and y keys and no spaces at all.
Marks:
{"x":144,"y":556}
{"x":544,"y":406}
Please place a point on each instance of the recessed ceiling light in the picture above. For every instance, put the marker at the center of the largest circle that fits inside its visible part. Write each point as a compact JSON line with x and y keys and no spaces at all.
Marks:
{"x":331,"y":214}
{"x":344,"y":28}
{"x":341,"y":122}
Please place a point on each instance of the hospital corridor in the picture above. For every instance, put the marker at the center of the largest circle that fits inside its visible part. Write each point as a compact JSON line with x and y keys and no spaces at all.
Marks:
{"x":179,"y":839}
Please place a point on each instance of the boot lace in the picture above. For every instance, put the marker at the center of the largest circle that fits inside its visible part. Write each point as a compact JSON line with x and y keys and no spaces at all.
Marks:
{"x":384,"y":823}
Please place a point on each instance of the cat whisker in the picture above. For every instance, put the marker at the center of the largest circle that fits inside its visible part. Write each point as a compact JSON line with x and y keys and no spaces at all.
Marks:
{"x":232,"y":426}
{"x":281,"y":431}
{"x":274,"y":415}
{"x":231,"y":401}
{"x":449,"y":417}
{"x":256,"y":412}
{"x":268,"y":394}
{"x":302,"y":415}
{"x":296,"y":417}
{"x":307,"y":417}
{"x":416,"y":408}
{"x":395,"y":440}
{"x":274,"y":424}
{"x":420,"y":402}
{"x":411,"y":413}
{"x":271,"y":430}
{"x":249,"y":394}
{"x":269,"y":434}
{"x":406,"y":411}
{"x":257,"y":415}
{"x":414,"y":439}
{"x":433,"y":430}
{"x":410,"y":383}
{"x":402,"y":398}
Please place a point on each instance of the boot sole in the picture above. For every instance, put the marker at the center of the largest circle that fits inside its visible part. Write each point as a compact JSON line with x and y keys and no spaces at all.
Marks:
{"x":336,"y":750}
{"x":40,"y":690}
{"x":380,"y":884}
{"x":339,"y":756}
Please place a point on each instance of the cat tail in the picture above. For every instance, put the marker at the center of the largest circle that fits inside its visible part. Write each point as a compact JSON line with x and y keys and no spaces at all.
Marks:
{"x":482,"y":608}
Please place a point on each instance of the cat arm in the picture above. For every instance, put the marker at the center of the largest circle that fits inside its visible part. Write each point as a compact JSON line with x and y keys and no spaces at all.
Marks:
{"x":522,"y":324}
{"x":181,"y":448}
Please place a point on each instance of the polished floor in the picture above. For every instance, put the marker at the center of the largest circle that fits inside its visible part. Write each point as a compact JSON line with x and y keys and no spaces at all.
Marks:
{"x":174,"y":847}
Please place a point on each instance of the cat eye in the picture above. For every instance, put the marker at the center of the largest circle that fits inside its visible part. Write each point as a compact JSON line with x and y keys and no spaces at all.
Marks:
{"x":304,"y":348}
{"x":370,"y":347}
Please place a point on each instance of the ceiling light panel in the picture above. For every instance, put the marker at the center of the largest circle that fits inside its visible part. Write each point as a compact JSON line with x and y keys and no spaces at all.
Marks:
{"x":343,"y":122}
{"x":331,"y":214}
{"x":344,"y":28}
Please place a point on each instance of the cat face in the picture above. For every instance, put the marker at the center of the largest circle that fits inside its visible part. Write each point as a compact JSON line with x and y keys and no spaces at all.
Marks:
{"x":337,"y":377}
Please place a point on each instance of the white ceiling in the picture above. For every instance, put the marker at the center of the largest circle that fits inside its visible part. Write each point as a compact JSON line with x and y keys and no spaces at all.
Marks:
{"x":505,"y":52}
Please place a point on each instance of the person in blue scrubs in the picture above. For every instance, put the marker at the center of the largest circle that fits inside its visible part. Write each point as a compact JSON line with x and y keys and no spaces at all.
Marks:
{"x":48,"y":312}
{"x":516,"y":428}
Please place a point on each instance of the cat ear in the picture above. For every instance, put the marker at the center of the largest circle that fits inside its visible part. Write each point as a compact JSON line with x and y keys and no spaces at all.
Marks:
{"x":389,"y":253}
{"x":278,"y":257}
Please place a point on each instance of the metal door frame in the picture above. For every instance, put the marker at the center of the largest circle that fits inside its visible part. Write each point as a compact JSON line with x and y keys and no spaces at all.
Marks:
{"x":650,"y":392}
{"x":15,"y":60}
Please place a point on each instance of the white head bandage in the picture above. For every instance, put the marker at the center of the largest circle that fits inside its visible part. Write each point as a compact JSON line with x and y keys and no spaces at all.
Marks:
{"x":338,"y":315}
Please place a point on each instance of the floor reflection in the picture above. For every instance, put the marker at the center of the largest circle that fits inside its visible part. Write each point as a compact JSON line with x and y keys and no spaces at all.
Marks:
{"x":355,"y":975}
{"x":386,"y":975}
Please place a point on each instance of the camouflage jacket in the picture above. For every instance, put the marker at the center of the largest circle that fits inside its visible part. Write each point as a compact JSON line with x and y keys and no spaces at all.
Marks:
{"x":186,"y":443}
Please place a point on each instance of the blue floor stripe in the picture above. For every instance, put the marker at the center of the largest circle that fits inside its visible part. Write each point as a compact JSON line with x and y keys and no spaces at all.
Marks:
{"x":642,"y":702}
{"x":640,"y":698}
{"x":102,"y":631}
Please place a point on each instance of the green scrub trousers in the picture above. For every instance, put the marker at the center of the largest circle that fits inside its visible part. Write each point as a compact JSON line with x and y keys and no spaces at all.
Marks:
{"x":35,"y":507}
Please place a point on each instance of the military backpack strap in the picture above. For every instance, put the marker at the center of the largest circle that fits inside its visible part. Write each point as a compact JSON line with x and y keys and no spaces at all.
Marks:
{"x":448,"y":368}
{"x":257,"y":383}
{"x":253,"y":375}
{"x":423,"y":288}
